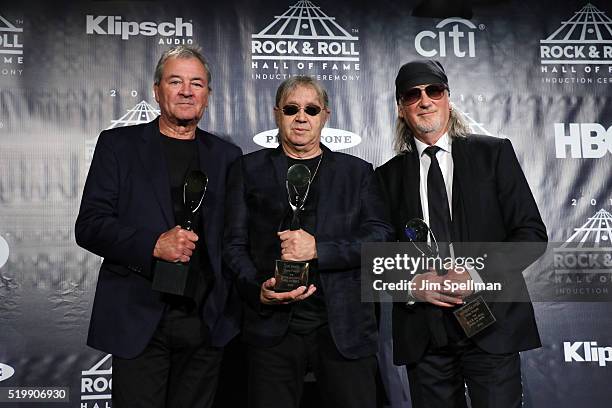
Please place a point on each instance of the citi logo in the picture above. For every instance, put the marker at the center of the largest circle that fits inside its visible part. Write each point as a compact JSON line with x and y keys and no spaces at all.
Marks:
{"x":459,"y":40}
{"x":583,"y":140}
{"x":586,"y":351}
{"x":114,"y":25}
{"x":6,"y":372}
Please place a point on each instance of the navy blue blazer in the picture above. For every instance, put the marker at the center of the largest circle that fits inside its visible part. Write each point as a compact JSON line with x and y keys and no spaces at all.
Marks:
{"x":126,"y":206}
{"x":349,"y":212}
{"x":497,"y":207}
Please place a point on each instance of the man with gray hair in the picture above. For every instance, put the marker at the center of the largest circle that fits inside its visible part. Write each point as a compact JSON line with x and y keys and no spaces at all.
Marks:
{"x":466,"y":188}
{"x":322,"y":325}
{"x":166,"y":346}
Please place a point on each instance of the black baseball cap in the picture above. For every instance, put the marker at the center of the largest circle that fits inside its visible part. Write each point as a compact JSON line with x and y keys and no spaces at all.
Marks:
{"x":419,"y":72}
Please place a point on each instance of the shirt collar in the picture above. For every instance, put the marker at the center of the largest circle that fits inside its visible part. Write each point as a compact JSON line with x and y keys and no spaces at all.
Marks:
{"x":443,"y":143}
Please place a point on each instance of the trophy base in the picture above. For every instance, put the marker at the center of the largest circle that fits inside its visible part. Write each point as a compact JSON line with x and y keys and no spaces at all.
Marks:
{"x":174,"y":278}
{"x":474,"y":316}
{"x":290,"y":275}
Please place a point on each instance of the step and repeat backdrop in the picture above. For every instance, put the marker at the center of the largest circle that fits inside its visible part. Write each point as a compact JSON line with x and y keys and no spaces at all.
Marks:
{"x":538,"y":73}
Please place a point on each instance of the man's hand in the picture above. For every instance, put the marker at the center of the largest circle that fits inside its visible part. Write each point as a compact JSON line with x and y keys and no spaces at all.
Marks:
{"x":297,"y":245}
{"x":429,"y":287}
{"x":267,"y":295}
{"x":175,"y":245}
{"x":460,"y":277}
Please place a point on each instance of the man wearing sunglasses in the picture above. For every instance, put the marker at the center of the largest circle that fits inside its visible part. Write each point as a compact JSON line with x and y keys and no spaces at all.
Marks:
{"x":323,"y":326}
{"x":466,"y":188}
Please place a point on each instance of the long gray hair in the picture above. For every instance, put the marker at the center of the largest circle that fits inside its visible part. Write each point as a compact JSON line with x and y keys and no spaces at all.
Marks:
{"x":457,"y":127}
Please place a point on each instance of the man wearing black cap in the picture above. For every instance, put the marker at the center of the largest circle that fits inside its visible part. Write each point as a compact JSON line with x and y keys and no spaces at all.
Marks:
{"x":466,"y":188}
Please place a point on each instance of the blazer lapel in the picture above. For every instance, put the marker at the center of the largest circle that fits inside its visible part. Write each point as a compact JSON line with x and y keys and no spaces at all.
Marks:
{"x":154,"y":162}
{"x":279,"y":164}
{"x":207,"y":161}
{"x":463,"y":185}
{"x":327,"y":175}
{"x":410,"y":179}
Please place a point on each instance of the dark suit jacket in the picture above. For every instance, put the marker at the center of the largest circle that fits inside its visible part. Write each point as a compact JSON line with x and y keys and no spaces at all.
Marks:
{"x":497,"y":207}
{"x":349,"y":212}
{"x":126,"y":205}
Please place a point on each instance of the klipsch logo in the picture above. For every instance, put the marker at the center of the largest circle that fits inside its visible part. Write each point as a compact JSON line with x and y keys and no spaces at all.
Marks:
{"x":97,"y":384}
{"x":142,"y":112}
{"x":169,"y":33}
{"x":11,"y":47}
{"x":582,"y":140}
{"x":580,"y":50}
{"x":455,"y":36}
{"x":583,"y":263}
{"x":585,"y":352}
{"x":305,"y":41}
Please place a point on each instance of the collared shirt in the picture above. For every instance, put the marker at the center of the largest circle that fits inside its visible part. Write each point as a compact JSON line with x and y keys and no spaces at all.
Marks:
{"x":445,"y":159}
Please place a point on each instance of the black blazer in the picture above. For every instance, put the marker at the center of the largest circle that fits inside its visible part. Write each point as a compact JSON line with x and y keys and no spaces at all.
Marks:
{"x":349,"y":212}
{"x":126,"y":205}
{"x":497,"y":206}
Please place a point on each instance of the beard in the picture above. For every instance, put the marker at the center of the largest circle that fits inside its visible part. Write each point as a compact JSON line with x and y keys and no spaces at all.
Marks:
{"x":429,"y":126}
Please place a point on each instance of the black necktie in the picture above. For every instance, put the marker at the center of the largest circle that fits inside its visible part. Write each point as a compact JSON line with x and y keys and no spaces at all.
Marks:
{"x":439,"y":223}
{"x":439,"y":213}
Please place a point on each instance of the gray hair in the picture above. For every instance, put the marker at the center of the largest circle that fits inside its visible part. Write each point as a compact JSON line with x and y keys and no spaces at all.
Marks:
{"x":457,"y":127}
{"x":293,"y":82}
{"x":181,"y":51}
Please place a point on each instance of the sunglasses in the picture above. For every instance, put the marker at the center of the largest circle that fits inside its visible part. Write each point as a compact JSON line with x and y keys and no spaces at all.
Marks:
{"x":413,"y":95}
{"x":310,"y":110}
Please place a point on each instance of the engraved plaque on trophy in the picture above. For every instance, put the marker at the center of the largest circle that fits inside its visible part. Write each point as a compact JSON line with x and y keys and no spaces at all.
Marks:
{"x":290,"y":275}
{"x":474,"y":316}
